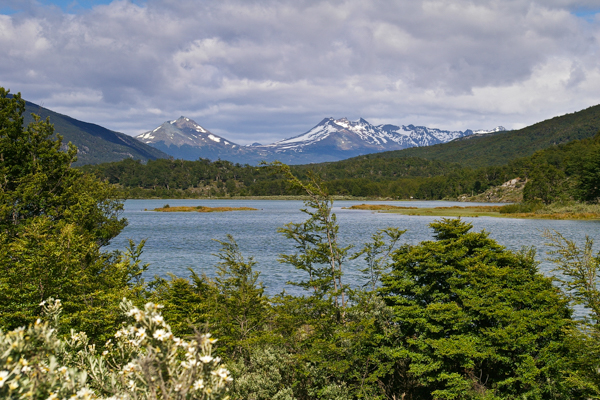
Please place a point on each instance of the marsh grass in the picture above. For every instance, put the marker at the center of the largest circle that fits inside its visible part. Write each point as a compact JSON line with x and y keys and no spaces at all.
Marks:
{"x":166,"y":208}
{"x":377,"y":207}
{"x":562,"y":211}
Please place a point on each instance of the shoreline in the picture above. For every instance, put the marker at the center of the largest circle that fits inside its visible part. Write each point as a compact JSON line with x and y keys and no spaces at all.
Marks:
{"x":475,"y":212}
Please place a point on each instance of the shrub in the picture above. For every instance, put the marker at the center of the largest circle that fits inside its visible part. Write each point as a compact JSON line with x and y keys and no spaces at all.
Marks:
{"x":145,"y":361}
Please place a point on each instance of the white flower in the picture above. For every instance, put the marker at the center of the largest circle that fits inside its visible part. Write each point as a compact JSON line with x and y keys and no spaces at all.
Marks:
{"x":63,"y":370}
{"x":3,"y":377}
{"x":43,"y":303}
{"x":13,"y":385}
{"x":128,"y":369}
{"x":133,"y":311}
{"x":158,"y":319}
{"x":161,"y":334}
{"x":85,"y":393}
{"x":53,"y":396}
{"x":121,"y":332}
{"x":199,"y":384}
{"x":221,"y":372}
{"x":206,"y":359}
{"x":105,"y":352}
{"x":141,"y":333}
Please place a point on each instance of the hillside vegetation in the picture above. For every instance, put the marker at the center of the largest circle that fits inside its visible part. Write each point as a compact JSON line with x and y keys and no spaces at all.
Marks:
{"x":94,"y":143}
{"x":559,"y":173}
{"x":498,"y":149}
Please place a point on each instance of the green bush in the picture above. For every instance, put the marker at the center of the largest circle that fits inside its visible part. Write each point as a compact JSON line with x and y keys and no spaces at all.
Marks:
{"x":144,"y":360}
{"x":476,"y":320}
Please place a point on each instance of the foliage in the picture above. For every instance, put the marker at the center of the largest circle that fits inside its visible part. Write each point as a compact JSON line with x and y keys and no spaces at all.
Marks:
{"x":53,"y":222}
{"x":320,"y":254}
{"x":267,"y":374}
{"x":240,"y":306}
{"x":589,"y":181}
{"x":145,"y":361}
{"x":377,"y":254}
{"x":477,"y":320}
{"x":579,"y":269}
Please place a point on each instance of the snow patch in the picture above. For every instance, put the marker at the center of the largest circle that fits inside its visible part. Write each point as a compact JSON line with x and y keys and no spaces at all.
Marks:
{"x":214,"y":138}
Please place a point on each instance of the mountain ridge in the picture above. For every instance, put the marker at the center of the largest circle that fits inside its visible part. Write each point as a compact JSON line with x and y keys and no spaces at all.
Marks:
{"x":329,"y":140}
{"x":95,"y":144}
{"x":494,"y":149}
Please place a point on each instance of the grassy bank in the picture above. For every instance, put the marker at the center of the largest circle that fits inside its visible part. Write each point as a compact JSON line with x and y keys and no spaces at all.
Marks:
{"x":575,"y":211}
{"x":202,"y":209}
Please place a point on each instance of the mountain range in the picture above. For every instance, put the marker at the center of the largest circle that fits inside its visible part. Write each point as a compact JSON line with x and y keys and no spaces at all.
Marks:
{"x":330,"y":140}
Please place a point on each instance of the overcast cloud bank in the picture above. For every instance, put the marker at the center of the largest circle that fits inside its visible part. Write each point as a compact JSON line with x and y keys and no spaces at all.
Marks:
{"x":265,"y":70}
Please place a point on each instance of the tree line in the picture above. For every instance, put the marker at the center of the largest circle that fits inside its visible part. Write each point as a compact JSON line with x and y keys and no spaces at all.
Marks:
{"x":558,"y":173}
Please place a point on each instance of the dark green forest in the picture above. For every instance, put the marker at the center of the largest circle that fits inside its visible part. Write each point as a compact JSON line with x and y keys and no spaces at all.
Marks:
{"x":558,"y":173}
{"x":455,"y":317}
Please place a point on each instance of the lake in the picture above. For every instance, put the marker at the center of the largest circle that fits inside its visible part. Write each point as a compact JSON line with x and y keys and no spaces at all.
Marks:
{"x":179,"y":241}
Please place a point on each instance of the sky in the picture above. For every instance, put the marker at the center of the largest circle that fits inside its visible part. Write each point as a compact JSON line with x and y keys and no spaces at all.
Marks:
{"x":265,"y":70}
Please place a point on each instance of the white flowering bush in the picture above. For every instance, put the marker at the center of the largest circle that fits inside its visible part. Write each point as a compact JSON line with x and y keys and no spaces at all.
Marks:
{"x":32,"y":363}
{"x":143,"y":361}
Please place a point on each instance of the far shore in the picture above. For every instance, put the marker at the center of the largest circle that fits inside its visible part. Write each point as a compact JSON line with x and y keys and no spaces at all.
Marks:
{"x":473,"y":211}
{"x":290,"y":197}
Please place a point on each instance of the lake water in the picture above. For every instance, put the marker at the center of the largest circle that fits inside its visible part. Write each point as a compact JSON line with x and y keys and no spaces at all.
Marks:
{"x":179,"y":241}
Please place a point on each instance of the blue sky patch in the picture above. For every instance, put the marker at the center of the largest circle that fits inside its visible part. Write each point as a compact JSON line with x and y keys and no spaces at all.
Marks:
{"x":68,"y":6}
{"x":586,"y":14}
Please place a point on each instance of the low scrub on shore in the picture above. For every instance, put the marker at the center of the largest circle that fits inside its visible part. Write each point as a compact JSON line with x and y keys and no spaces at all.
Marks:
{"x":202,"y":209}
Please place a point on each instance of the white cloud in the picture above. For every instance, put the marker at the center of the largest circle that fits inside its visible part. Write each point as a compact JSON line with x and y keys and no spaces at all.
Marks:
{"x":263,"y":70}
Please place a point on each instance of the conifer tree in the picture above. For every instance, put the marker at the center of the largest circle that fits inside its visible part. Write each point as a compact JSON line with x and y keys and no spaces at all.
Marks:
{"x":53,"y":222}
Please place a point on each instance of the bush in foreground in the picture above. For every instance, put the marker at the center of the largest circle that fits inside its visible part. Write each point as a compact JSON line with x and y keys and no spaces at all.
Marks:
{"x":145,"y":361}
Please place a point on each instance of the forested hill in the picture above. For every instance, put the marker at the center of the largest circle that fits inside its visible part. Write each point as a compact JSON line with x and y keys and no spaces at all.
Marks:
{"x":95,"y":144}
{"x":566,"y":171}
{"x":499,"y":149}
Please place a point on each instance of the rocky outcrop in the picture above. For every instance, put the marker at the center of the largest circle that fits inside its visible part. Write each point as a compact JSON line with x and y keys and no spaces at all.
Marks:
{"x":509,"y":192}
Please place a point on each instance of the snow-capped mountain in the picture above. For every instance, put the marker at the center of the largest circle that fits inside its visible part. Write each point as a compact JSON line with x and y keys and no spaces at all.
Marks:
{"x":186,"y":139}
{"x":361,"y":137}
{"x":330,"y":140}
{"x":180,"y":132}
{"x":484,"y":131}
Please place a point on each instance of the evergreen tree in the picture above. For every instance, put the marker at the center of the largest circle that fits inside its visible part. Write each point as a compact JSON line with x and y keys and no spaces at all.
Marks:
{"x":53,"y":222}
{"x":476,"y":320}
